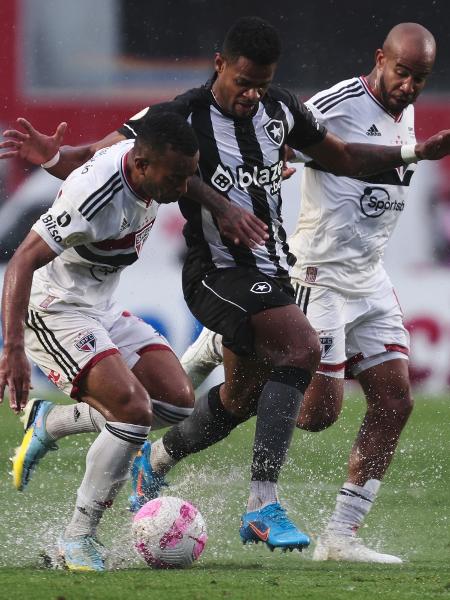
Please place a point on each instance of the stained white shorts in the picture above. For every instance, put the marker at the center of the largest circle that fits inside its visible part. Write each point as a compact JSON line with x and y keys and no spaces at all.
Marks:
{"x":66,"y":344}
{"x":355,"y":333}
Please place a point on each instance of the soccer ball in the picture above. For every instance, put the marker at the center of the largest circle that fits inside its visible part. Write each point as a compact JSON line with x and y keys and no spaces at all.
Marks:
{"x":169,"y":533}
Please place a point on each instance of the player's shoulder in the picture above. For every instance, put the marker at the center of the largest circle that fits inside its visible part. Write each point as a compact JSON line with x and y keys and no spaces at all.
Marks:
{"x":99,"y":177}
{"x":327,"y":99}
{"x":192,"y":99}
{"x":280,"y":94}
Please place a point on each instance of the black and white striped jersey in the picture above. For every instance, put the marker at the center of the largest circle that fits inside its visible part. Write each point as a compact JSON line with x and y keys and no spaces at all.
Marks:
{"x":242,"y":159}
{"x":97,"y":226}
{"x":345,"y":223}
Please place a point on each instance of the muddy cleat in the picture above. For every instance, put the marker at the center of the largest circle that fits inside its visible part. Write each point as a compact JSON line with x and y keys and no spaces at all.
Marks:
{"x":349,"y":548}
{"x":271,"y":526}
{"x":81,"y":553}
{"x":203,"y":356}
{"x":35,"y":444}
{"x":145,"y":483}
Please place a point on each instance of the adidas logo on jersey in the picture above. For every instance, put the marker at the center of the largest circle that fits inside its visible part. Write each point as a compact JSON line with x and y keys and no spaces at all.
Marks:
{"x":124,"y":225}
{"x":373,"y":130}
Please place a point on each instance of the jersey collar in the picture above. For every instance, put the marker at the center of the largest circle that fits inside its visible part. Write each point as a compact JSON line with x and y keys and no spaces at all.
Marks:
{"x":397,"y":118}
{"x":141,"y":199}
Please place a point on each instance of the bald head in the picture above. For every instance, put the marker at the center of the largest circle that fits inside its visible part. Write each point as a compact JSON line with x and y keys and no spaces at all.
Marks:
{"x":412,"y":40}
{"x":402,"y":66}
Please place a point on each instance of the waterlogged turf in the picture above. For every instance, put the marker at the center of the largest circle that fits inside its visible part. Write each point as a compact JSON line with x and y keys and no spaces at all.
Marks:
{"x":411,"y":518}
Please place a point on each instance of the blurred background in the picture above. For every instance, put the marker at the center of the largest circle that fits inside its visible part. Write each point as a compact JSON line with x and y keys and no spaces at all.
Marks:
{"x":94,"y":63}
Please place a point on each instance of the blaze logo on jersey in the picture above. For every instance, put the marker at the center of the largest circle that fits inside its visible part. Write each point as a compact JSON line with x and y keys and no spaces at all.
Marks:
{"x":223,"y":178}
{"x":142,"y":235}
{"x":262,"y":287}
{"x":275,"y":131}
{"x":326,"y":344}
{"x":86,"y":342}
{"x":376,"y":201}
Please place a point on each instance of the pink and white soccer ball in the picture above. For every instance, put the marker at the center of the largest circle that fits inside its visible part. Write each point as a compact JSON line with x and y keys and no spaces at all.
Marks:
{"x":169,"y":533}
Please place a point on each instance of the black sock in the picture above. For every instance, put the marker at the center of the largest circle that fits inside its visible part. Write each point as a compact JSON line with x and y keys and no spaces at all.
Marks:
{"x":278,"y":409}
{"x":209,"y":423}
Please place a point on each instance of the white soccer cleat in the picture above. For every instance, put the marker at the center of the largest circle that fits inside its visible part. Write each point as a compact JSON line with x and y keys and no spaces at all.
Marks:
{"x":351,"y":549}
{"x":203,"y":356}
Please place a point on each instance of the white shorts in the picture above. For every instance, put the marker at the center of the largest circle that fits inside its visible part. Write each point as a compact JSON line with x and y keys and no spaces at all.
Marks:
{"x":67,"y":343}
{"x":355,"y":333}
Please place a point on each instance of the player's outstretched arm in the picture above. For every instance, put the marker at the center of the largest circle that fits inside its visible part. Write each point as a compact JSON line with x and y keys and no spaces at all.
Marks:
{"x":356,"y":160}
{"x":235,"y":223}
{"x":39,"y":149}
{"x":32,"y":254}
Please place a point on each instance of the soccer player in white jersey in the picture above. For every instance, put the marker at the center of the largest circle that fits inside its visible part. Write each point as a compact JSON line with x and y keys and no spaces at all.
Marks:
{"x":242,"y":123}
{"x":57,"y":307}
{"x":341,"y":285}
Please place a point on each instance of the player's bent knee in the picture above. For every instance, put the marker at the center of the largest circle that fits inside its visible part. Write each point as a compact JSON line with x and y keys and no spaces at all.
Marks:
{"x":314,"y":422}
{"x":133,"y":405}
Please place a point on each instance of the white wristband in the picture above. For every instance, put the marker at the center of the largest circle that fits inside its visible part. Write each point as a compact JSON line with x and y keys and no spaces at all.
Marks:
{"x":53,"y":161}
{"x":408,"y":154}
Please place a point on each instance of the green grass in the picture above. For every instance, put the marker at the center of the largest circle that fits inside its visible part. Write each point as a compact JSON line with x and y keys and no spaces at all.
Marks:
{"x":410,"y":518}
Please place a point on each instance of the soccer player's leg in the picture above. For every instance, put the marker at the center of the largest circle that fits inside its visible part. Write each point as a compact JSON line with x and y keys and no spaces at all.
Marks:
{"x":160,"y":372}
{"x":110,"y":386}
{"x":283,"y":339}
{"x":379,"y":347}
{"x":202,"y":356}
{"x":389,"y":404}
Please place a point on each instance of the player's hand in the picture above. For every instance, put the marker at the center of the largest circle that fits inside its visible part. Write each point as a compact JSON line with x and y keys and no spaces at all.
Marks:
{"x":287,"y":171}
{"x":31,"y":144}
{"x":242,"y":227}
{"x":435,"y":147}
{"x":15,"y":373}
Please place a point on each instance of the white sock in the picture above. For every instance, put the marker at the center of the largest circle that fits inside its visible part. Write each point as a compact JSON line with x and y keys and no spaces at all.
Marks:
{"x":262,"y":493}
{"x":166,"y":415}
{"x":160,"y":460}
{"x":108,"y":464}
{"x":68,"y":419}
{"x":353,"y":503}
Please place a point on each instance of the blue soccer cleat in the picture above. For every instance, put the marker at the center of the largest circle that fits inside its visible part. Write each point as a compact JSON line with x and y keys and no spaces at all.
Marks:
{"x":271,"y":526}
{"x":35,"y":444}
{"x":145,"y":483}
{"x":81,"y":553}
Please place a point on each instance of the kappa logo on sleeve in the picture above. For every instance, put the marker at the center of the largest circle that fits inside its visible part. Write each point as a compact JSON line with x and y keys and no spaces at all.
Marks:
{"x":86,"y":342}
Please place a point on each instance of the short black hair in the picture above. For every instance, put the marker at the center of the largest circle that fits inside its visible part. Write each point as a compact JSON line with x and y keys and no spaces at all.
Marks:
{"x":253,"y":38}
{"x":160,"y":129}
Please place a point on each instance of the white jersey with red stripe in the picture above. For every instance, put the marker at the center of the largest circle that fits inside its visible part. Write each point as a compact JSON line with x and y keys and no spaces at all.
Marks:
{"x":97,"y":226}
{"x":344,"y":222}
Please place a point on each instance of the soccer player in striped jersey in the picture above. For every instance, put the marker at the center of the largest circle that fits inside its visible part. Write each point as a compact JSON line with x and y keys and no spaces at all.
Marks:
{"x":57,"y":307}
{"x":341,"y":285}
{"x":270,"y":349}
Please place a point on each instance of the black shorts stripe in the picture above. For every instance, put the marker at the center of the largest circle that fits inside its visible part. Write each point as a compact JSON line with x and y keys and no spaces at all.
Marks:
{"x":302,"y":294}
{"x":322,"y":102}
{"x":51,"y":345}
{"x":96,"y":196}
{"x":115,"y":260}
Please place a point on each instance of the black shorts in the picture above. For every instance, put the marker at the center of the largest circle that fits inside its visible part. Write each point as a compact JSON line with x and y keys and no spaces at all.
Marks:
{"x":223,"y":300}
